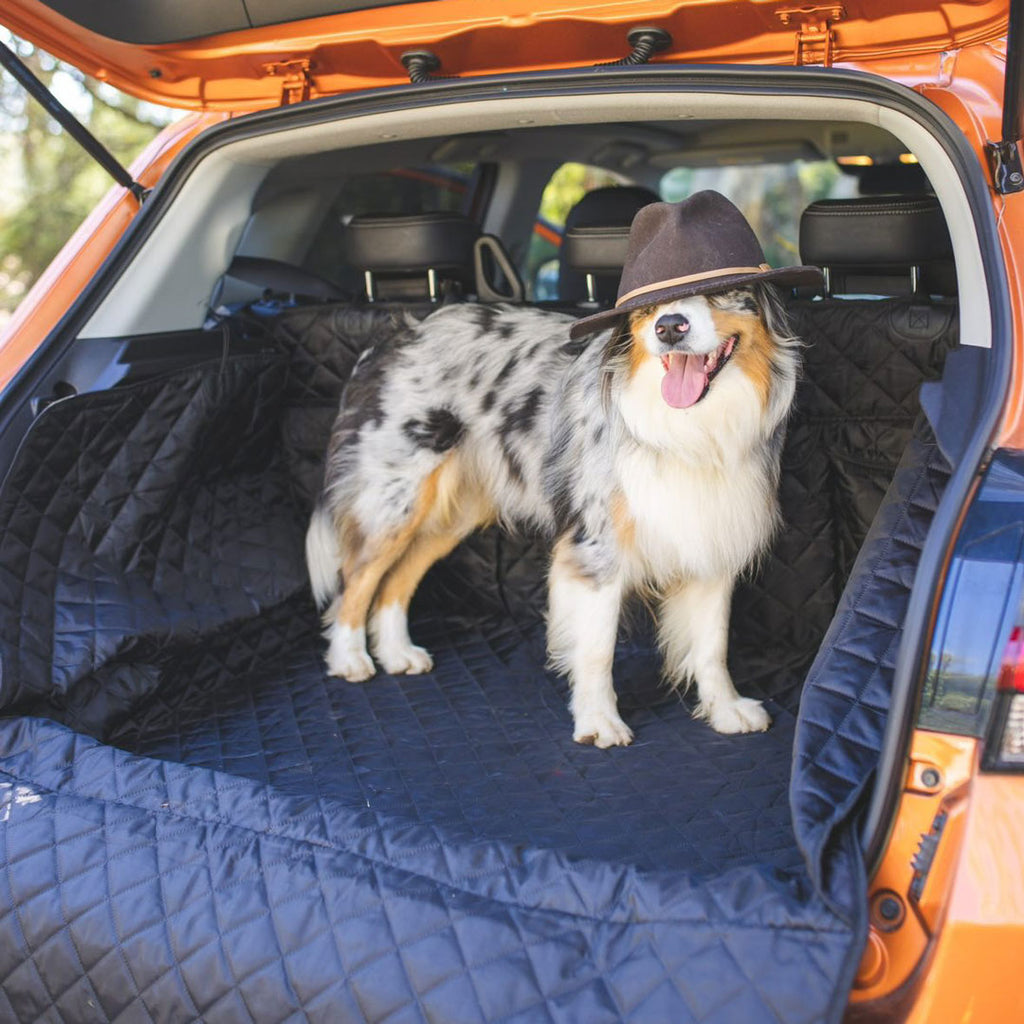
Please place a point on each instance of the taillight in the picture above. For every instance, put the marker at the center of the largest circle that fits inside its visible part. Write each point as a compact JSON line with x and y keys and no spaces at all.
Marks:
{"x":1004,"y":749}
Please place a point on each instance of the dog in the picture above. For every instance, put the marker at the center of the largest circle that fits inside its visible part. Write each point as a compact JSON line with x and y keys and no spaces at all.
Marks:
{"x":653,"y":468}
{"x":650,"y":459}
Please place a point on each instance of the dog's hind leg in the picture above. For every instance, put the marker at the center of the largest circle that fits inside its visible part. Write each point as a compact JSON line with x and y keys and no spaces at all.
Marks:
{"x":583,"y":622}
{"x":694,"y":634}
{"x":365,"y":561}
{"x":459,"y":508}
{"x":389,"y":623}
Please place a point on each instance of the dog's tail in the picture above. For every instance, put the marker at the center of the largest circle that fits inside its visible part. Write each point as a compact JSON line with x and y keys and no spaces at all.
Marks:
{"x":323,"y":559}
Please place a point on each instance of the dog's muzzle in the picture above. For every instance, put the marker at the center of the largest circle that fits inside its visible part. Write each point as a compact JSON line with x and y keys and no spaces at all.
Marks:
{"x":688,"y":376}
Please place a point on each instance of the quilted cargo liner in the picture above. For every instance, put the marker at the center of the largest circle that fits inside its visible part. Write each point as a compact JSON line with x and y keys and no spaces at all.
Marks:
{"x":197,"y":823}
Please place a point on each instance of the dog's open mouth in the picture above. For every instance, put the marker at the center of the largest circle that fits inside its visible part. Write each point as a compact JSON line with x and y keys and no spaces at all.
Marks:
{"x":688,"y":376}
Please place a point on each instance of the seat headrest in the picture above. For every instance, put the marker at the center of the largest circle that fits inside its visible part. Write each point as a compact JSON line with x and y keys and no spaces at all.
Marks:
{"x":594,"y":240}
{"x":597,"y":250}
{"x":871,"y":244}
{"x":399,"y":251}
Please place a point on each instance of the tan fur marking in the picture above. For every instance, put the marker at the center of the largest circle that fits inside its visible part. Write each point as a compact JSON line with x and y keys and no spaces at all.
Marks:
{"x":753,"y":352}
{"x":638,"y":353}
{"x":365,"y":568}
{"x":460,"y":506}
{"x":562,"y":559}
{"x":405,"y":575}
{"x":622,"y":520}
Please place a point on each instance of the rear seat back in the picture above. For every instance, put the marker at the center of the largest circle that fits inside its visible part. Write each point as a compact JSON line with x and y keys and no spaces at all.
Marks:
{"x":864,"y":363}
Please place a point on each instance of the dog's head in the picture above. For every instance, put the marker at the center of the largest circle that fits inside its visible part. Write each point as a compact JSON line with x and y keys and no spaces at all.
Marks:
{"x":708,"y":356}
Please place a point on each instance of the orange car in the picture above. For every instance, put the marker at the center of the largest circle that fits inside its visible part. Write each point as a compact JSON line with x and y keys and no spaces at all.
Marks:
{"x":196,"y":823}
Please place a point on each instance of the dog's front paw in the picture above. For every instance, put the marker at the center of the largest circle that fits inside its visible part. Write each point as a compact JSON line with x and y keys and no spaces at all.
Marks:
{"x":602,"y":729}
{"x":740,"y":715}
{"x":409,"y":660}
{"x":346,"y":654}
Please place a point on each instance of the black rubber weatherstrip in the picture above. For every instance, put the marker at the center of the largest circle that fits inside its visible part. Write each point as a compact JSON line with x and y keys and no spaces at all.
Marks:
{"x":726,"y":80}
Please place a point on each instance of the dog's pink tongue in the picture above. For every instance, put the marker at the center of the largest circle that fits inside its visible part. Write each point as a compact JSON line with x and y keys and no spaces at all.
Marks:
{"x":684,"y":381}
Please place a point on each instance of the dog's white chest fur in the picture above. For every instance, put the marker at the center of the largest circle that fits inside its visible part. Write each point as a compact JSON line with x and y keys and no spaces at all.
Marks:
{"x":696,"y":486}
{"x":694,"y":521}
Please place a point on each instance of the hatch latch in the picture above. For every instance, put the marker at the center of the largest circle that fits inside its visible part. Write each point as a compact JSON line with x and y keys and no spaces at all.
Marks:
{"x":298,"y":78}
{"x":815,"y":38}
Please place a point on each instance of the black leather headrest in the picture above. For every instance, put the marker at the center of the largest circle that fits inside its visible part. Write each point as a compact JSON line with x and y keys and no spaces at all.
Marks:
{"x":594,"y":240}
{"x":595,"y":250}
{"x":865,"y":241}
{"x":419,"y":242}
{"x":887,"y":230}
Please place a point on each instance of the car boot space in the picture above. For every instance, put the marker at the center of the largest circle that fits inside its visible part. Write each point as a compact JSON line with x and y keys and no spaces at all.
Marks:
{"x":169,"y":675}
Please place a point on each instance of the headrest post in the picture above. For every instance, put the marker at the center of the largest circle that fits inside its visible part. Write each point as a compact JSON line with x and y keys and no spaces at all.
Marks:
{"x":368,"y":282}
{"x":915,"y":279}
{"x":827,"y":275}
{"x":432,"y":284}
{"x":591,"y":288}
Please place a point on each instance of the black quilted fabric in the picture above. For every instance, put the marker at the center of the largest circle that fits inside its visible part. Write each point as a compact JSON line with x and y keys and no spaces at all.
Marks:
{"x":196,"y":823}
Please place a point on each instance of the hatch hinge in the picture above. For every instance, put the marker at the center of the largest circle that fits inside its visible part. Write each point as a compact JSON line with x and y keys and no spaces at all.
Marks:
{"x":1004,"y":162}
{"x":1004,"y":155}
{"x":815,"y":39}
{"x":298,"y":78}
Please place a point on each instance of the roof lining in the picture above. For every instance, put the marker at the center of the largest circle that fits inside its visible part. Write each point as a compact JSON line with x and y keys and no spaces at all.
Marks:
{"x":151,"y":294}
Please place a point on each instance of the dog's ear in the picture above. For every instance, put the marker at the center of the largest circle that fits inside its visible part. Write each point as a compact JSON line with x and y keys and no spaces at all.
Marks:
{"x":774,"y":314}
{"x":615,"y":356}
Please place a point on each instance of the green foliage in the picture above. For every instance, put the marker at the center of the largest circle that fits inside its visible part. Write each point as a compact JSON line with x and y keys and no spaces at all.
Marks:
{"x":52,"y":182}
{"x":568,"y":185}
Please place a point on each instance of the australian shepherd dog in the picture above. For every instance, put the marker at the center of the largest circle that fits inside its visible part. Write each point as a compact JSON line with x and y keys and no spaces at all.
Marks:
{"x":650,"y":458}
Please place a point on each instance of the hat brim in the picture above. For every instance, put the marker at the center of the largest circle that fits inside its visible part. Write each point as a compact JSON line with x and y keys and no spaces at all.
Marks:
{"x":792,"y":276}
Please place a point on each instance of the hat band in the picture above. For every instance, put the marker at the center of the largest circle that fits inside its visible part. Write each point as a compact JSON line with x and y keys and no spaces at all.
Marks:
{"x":689,"y":279}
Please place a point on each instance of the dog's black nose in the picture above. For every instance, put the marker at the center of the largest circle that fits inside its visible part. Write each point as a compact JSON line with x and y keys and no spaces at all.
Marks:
{"x":671,"y":327}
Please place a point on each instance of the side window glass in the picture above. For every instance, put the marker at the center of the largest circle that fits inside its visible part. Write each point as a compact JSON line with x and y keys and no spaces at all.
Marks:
{"x":568,"y":185}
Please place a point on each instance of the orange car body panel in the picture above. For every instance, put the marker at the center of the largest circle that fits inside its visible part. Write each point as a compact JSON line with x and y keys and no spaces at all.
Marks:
{"x":972,"y":973}
{"x":247,"y":69}
{"x":954,"y":953}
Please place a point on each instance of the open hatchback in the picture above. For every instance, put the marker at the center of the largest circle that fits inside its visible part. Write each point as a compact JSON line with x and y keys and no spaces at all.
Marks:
{"x":196,"y":822}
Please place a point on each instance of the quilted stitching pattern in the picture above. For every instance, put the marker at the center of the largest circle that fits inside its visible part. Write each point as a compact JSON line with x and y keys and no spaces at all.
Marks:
{"x":853,"y":418}
{"x":842,"y":716}
{"x":172,"y":893}
{"x":158,"y":510}
{"x":245,"y":839}
{"x":480,"y":748}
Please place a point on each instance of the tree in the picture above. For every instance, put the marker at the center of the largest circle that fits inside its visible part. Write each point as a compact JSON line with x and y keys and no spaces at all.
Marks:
{"x":52,"y":183}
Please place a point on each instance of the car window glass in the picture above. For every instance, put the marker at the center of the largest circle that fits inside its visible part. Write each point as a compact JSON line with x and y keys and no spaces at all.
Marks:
{"x":568,"y":185}
{"x":771,"y":196}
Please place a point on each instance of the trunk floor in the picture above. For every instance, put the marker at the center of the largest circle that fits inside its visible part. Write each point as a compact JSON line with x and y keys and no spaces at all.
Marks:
{"x":481,"y":748}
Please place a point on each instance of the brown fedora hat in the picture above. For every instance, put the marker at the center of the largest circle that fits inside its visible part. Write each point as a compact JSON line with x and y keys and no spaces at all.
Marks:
{"x":702,"y":244}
